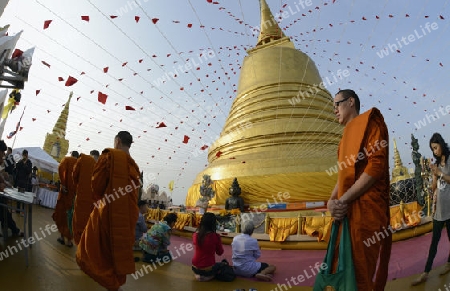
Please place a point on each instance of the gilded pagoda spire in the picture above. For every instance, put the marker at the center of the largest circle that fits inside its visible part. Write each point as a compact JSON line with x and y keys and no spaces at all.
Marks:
{"x":61,"y":123}
{"x":269,"y":30}
{"x":399,"y":172}
{"x":397,"y":160}
{"x":55,"y":143}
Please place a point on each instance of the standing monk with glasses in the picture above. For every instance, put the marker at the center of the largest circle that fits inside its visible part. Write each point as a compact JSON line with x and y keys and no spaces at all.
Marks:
{"x":362,"y":189}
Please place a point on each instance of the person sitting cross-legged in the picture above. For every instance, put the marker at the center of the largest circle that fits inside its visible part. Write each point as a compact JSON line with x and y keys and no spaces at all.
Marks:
{"x":154,"y":243}
{"x":245,"y":253}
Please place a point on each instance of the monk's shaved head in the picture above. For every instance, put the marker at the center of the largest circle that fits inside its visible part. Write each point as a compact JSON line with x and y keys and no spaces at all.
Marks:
{"x":125,"y":138}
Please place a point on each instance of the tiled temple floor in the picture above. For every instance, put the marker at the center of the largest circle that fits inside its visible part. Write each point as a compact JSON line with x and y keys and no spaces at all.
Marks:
{"x":53,"y":267}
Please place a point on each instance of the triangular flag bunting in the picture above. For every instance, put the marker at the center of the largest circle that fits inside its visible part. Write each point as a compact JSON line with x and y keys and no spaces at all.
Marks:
{"x":102,"y":97}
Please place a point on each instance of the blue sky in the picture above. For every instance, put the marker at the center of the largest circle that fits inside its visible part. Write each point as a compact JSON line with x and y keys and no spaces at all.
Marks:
{"x":344,"y":35}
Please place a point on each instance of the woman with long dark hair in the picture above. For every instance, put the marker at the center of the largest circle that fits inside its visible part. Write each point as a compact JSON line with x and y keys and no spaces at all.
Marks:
{"x":207,"y":243}
{"x":441,"y":211}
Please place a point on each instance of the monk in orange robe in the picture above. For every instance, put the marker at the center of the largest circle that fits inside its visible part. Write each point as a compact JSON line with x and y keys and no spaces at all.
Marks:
{"x":65,"y":199}
{"x":84,"y":199}
{"x":362,"y":189}
{"x":105,"y":251}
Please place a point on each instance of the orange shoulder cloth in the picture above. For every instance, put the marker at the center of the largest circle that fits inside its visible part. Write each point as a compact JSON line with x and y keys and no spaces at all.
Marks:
{"x":351,"y":147}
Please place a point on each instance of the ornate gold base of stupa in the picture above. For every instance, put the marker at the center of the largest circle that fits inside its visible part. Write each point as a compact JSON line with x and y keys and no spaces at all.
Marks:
{"x":258,"y":189}
{"x":301,"y":229}
{"x":227,"y":238}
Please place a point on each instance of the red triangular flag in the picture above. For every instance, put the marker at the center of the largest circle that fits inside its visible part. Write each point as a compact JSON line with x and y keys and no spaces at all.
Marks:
{"x":204,"y":147}
{"x":60,"y":79}
{"x":189,"y":25}
{"x":113,"y":16}
{"x":219,"y":153}
{"x":45,"y":63}
{"x":137,"y":18}
{"x":105,"y":69}
{"x":34,"y":119}
{"x":47,"y":23}
{"x":37,"y":92}
{"x":70,"y":81}
{"x":16,"y":54}
{"x":154,"y":20}
{"x":85,"y":18}
{"x":129,"y":108}
{"x":102,"y":97}
{"x":162,"y":124}
{"x":185,"y":139}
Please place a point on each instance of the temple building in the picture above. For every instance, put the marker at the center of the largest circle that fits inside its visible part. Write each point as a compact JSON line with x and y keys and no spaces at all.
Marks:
{"x":402,"y":181}
{"x":281,"y":134}
{"x":55,"y":143}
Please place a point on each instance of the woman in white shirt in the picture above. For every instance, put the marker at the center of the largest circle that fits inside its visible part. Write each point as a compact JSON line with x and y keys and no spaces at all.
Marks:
{"x":441,"y":215}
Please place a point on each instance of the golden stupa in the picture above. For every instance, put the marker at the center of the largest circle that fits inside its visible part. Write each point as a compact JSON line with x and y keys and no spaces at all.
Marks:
{"x":56,"y":143}
{"x":402,"y":186}
{"x":400,"y":172}
{"x":281,"y":134}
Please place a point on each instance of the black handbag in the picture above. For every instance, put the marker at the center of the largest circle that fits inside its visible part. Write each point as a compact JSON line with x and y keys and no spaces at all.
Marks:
{"x":224,"y":272}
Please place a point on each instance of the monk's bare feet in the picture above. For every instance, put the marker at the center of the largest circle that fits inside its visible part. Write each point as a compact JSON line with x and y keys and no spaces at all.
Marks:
{"x":68,"y":242}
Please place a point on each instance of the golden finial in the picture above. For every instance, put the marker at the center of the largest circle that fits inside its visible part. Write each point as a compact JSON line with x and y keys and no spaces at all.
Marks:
{"x":61,"y":123}
{"x":269,"y":29}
